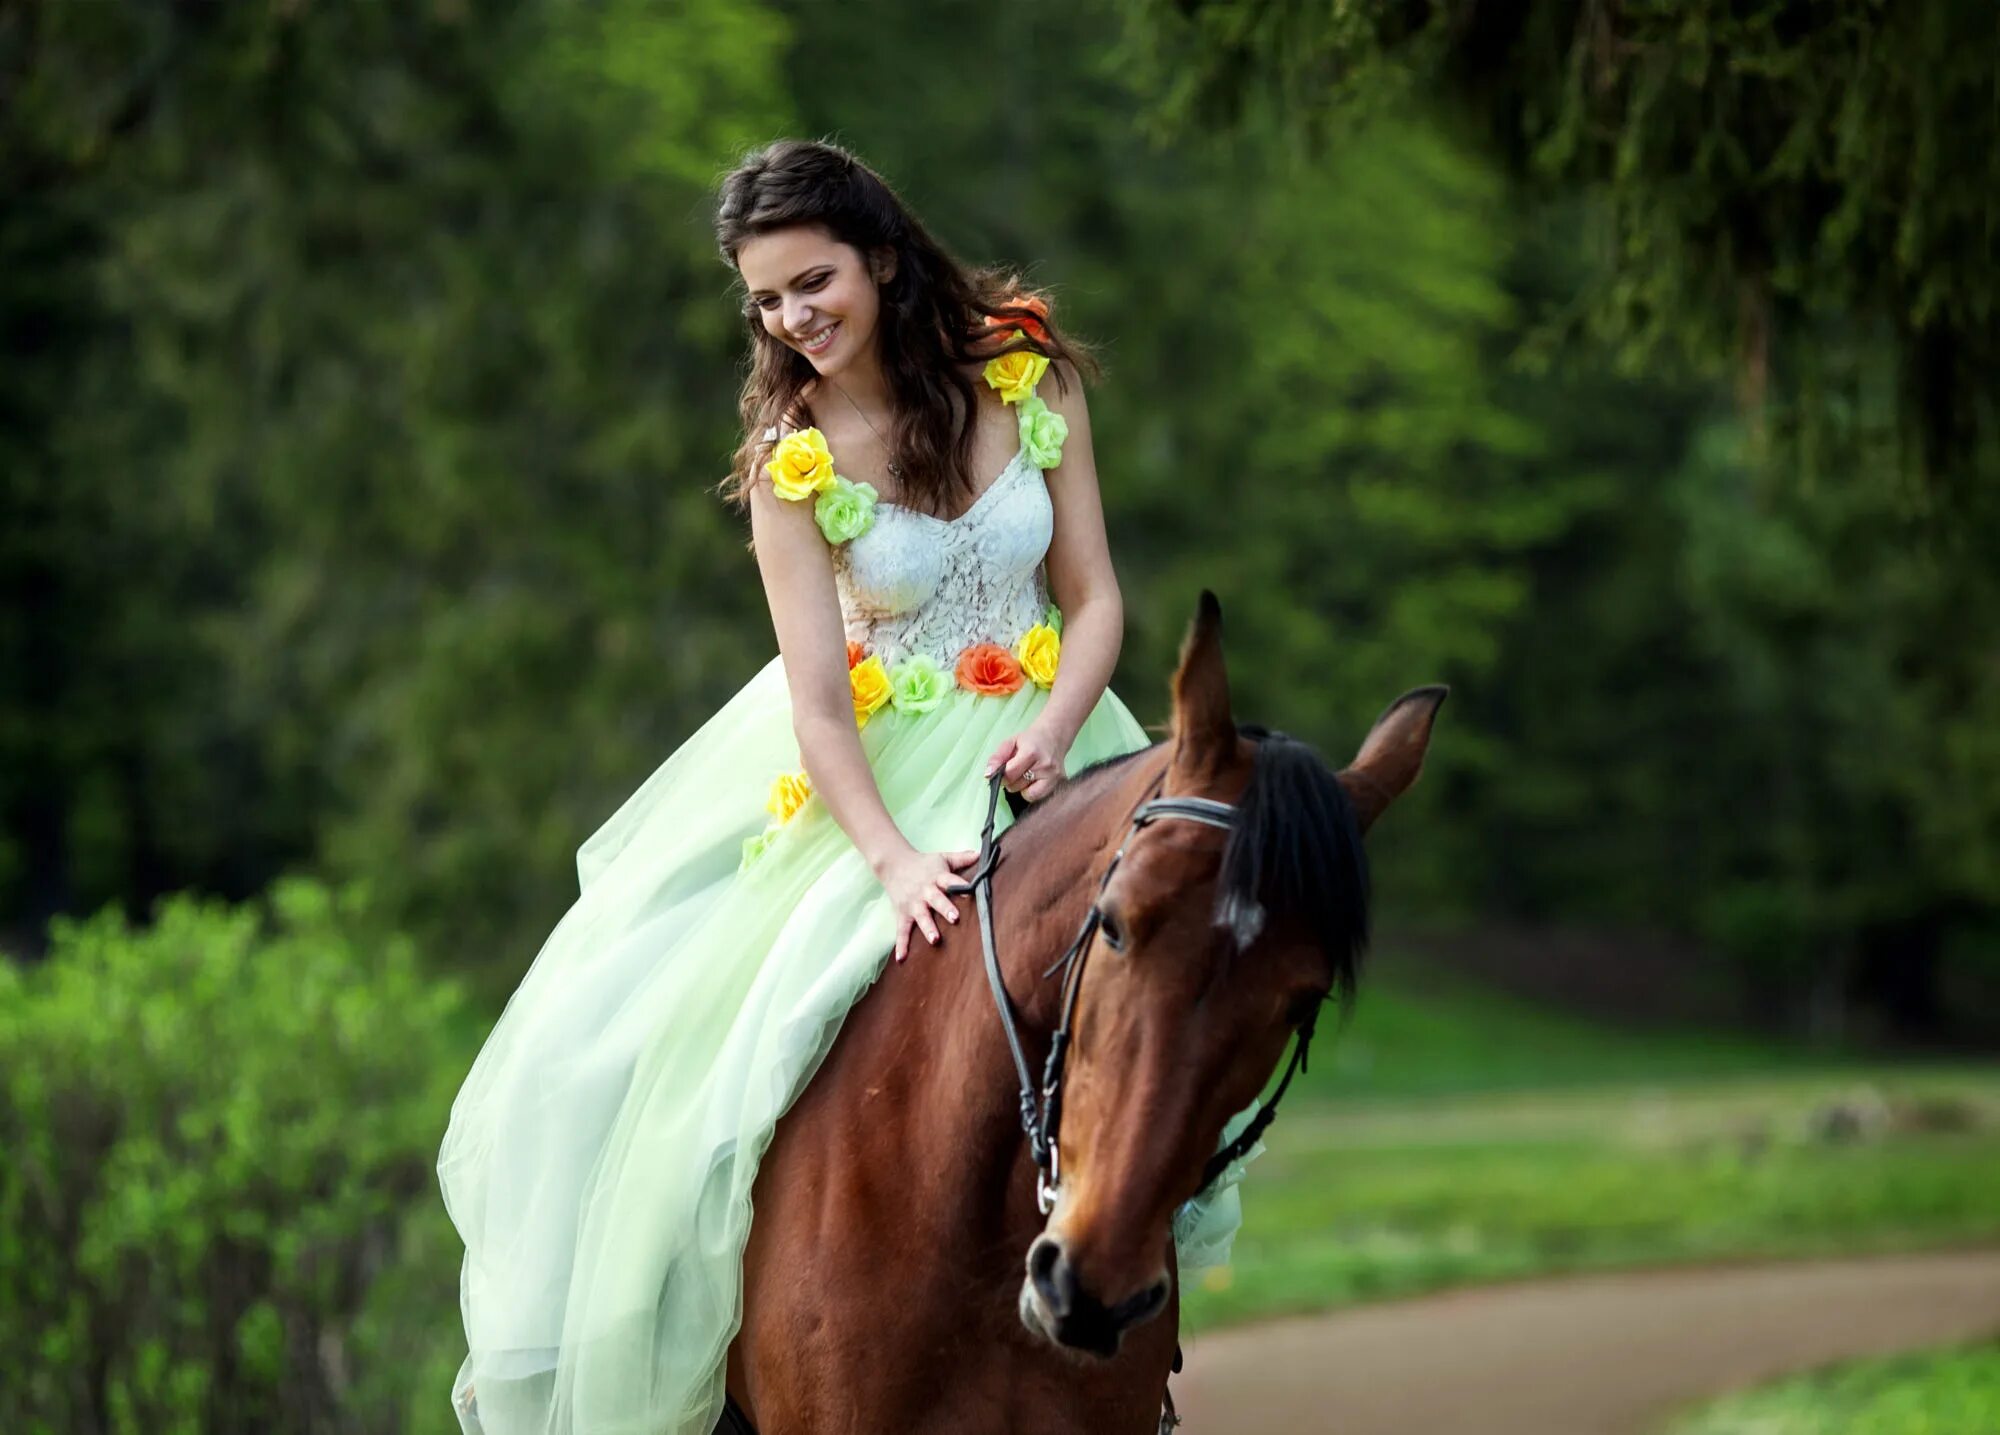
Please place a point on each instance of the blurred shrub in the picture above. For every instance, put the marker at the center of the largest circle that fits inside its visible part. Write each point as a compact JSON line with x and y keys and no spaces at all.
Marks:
{"x":1930,"y":1393}
{"x":217,"y":1130}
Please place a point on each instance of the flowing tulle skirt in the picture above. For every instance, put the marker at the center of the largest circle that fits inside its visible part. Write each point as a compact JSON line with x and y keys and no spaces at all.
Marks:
{"x":600,"y":1155}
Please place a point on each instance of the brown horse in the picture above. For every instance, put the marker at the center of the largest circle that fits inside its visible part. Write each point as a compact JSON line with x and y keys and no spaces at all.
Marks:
{"x":888,"y":1282}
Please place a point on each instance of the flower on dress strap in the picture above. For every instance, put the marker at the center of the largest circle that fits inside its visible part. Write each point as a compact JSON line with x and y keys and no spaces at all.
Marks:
{"x":990,"y":669}
{"x":1039,"y":650}
{"x":845,"y":511}
{"x":1015,"y":375}
{"x":1033,"y":327}
{"x":1042,"y":433}
{"x":855,"y":653}
{"x":801,"y":465}
{"x":917,"y":685}
{"x":1052,"y":616}
{"x":869,"y":681}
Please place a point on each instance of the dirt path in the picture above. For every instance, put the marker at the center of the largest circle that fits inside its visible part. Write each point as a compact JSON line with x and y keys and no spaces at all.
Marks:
{"x":1592,"y":1355}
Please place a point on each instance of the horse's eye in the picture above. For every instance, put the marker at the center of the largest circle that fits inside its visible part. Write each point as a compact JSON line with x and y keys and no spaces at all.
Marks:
{"x":1112,"y":933}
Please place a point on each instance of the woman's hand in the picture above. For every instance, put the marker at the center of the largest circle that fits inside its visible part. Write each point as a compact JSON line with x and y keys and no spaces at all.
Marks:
{"x":1033,"y":759}
{"x":915,"y":882}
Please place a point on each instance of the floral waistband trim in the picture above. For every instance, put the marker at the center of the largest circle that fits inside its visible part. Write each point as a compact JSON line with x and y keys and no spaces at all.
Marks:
{"x":913,"y":687}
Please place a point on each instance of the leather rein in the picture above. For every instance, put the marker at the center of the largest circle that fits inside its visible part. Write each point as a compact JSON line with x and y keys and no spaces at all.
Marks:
{"x":1041,"y":1112}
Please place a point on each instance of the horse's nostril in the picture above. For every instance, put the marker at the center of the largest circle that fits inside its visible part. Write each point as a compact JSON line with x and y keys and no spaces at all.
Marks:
{"x":1139,"y":1307}
{"x":1054,"y":1282}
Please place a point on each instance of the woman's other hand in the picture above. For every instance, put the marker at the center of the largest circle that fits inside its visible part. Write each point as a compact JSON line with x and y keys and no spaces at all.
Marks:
{"x":915,"y":882}
{"x":1033,"y":760}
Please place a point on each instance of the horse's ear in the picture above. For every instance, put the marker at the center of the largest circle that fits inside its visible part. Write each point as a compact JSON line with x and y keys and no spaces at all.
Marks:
{"x":1392,"y":754}
{"x":1204,"y":731}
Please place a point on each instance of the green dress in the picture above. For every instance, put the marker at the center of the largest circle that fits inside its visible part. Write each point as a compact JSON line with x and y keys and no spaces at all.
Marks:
{"x":600,"y":1156}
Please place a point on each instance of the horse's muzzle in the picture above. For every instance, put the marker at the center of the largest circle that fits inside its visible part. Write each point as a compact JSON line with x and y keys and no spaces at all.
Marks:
{"x":1056,"y":1306}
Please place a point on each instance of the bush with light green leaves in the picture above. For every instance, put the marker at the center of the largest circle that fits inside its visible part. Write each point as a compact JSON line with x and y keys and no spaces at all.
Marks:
{"x":217,"y":1202}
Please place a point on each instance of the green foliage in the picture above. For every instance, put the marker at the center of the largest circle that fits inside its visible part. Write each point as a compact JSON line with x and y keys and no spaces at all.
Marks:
{"x":358,"y":494}
{"x":1426,"y":1033}
{"x":216,"y":1127}
{"x":1805,"y":196}
{"x":370,"y":476}
{"x":1950,"y":1392}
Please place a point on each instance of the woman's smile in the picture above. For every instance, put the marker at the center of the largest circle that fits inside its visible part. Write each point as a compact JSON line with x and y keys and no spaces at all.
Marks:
{"x":820,"y":340}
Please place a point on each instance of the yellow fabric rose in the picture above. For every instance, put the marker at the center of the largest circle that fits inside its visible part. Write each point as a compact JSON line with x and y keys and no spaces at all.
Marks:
{"x":801,"y":466}
{"x":788,"y":795}
{"x":1015,"y":375}
{"x":1039,"y":650}
{"x":870,"y":683}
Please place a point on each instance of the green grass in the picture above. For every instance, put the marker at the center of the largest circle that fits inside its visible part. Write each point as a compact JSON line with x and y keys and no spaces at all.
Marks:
{"x":1475,"y":1139}
{"x":1951,"y":1392}
{"x":1421,"y":1032}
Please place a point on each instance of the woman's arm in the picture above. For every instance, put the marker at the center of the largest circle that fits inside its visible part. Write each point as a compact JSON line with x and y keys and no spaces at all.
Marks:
{"x":797,"y":570}
{"x":1085,"y":588}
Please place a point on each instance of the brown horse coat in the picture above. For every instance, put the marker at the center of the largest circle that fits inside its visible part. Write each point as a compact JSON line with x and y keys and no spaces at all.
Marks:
{"x":883,"y":1280}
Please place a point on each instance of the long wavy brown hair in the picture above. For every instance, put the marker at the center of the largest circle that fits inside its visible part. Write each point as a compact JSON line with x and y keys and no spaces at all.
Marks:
{"x":936,"y":316}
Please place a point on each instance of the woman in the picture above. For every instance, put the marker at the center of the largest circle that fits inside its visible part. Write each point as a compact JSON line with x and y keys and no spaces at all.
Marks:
{"x":925,"y":515}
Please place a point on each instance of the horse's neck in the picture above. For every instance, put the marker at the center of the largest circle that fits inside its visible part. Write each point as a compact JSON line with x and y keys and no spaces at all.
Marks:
{"x":972,"y":1106}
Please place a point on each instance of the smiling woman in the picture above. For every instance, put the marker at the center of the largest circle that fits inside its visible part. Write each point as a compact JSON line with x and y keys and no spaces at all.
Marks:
{"x":922,"y":493}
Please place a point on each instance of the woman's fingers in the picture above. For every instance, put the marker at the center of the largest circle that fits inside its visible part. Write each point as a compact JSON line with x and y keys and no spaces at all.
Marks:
{"x":961,"y":859}
{"x":943,"y":905}
{"x":1024,"y":761}
{"x":930,"y":927}
{"x":902,"y":939}
{"x":1000,"y":755}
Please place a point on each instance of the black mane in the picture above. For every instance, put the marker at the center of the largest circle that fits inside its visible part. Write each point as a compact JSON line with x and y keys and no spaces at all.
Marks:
{"x":1294,"y":855}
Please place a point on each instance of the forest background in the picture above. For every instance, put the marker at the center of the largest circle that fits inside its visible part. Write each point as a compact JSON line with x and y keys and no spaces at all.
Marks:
{"x":371,"y":369}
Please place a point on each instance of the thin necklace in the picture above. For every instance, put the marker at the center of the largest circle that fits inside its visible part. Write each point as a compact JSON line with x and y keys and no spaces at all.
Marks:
{"x":895,"y":469}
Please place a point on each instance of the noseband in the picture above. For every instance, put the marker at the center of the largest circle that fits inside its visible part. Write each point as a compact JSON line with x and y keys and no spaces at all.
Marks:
{"x":1041,"y":1115}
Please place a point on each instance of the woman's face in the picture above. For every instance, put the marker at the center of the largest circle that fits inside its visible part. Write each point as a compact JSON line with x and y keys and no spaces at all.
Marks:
{"x":813,"y":293}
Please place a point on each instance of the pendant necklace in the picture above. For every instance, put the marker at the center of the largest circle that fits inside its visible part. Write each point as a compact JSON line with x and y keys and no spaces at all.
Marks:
{"x":895,"y":469}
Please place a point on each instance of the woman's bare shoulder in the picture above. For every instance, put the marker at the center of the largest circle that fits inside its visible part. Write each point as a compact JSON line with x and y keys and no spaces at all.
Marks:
{"x":798,"y":416}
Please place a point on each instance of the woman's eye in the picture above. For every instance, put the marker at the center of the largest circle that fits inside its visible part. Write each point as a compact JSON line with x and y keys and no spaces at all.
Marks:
{"x":811,"y":286}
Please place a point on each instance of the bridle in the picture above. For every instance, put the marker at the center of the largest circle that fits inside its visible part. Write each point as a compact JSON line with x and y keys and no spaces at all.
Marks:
{"x":1041,"y":1115}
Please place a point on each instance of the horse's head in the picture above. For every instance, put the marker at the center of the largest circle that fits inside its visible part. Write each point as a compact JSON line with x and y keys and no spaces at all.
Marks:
{"x":1215,"y":947}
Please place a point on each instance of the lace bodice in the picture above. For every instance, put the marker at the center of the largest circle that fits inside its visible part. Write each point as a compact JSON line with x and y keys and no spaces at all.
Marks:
{"x":918,"y":584}
{"x":914,"y":583}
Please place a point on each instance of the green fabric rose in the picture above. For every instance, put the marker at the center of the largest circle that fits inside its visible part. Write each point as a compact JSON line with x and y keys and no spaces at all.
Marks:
{"x":1052,"y":618}
{"x":753,"y":847}
{"x":916,"y":685}
{"x":845,"y":511}
{"x":1042,"y":433}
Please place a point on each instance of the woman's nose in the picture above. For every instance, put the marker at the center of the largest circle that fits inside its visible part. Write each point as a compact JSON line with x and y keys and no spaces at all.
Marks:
{"x":796,"y":319}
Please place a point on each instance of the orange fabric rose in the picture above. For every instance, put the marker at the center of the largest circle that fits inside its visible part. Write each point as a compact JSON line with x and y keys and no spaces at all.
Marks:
{"x":990,"y":669}
{"x":1033,"y":328}
{"x":855,"y":653}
